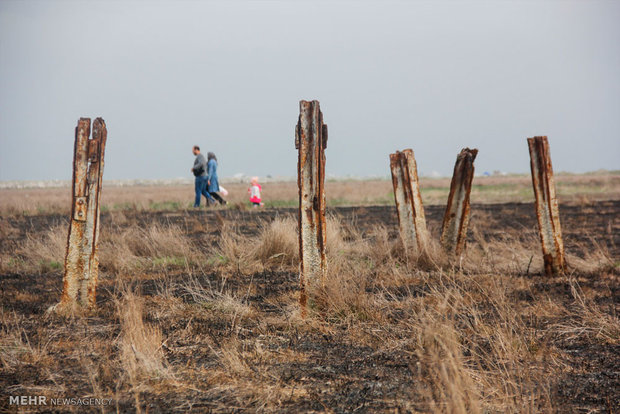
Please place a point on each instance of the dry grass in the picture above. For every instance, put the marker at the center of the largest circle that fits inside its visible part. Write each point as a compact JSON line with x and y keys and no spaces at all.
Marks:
{"x":460,"y":313}
{"x":154,"y":247}
{"x":585,"y":320}
{"x":218,"y":301}
{"x":140,"y":344}
{"x":16,"y":348}
{"x":578,"y":189}
{"x":445,"y":382}
{"x":217,"y":327}
{"x":278,"y":243}
{"x":44,"y":253}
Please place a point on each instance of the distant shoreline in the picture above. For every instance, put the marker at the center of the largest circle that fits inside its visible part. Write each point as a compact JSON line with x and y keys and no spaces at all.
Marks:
{"x":32,"y":184}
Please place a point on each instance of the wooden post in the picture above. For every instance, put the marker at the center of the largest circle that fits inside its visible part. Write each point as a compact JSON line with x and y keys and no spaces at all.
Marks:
{"x":311,"y":141}
{"x":81,"y":261}
{"x":411,"y":220}
{"x":547,"y":210}
{"x":456,"y":217}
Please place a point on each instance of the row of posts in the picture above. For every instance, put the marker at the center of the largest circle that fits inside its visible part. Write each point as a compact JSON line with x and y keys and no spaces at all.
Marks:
{"x":81,"y":263}
{"x":311,"y":141}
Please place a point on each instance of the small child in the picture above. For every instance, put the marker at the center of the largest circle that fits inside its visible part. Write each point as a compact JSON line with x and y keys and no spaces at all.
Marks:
{"x":254,"y":191}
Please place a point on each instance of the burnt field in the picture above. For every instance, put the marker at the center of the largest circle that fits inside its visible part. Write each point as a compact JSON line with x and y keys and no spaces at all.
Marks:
{"x":197,"y":311}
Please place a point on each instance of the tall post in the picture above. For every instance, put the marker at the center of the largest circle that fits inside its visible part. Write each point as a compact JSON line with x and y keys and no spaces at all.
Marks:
{"x":81,"y":261}
{"x":456,"y":217}
{"x":411,"y":220}
{"x":311,"y":141}
{"x":547,"y":210}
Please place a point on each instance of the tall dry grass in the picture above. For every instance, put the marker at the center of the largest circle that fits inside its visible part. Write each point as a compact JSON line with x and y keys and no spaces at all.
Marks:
{"x":16,"y":347}
{"x":140,"y":343}
{"x":277,"y":243}
{"x":153,"y":247}
{"x":581,"y":189}
{"x":475,"y":353}
{"x":475,"y":346}
{"x":121,"y":249}
{"x":43,"y":253}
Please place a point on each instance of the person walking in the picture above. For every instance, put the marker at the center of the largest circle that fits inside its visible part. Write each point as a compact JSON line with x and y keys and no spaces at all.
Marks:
{"x":200,"y":172}
{"x":213,"y":185}
{"x":255,"y":193}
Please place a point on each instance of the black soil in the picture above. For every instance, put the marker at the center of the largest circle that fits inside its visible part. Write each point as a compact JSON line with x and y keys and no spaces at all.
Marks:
{"x":340,"y":375}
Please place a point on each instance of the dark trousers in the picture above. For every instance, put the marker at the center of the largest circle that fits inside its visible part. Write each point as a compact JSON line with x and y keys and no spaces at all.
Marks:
{"x":200,"y":186}
{"x":218,"y":198}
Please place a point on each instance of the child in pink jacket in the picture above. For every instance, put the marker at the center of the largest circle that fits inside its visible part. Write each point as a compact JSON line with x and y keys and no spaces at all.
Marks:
{"x":255,"y":190}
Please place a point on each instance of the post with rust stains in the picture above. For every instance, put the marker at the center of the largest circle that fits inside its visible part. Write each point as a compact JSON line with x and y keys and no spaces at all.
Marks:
{"x":412,"y":223}
{"x":547,"y":210}
{"x":81,"y":261}
{"x":456,"y":217}
{"x":311,"y":141}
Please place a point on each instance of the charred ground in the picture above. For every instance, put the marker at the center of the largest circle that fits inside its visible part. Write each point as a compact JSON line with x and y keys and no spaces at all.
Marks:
{"x":231,"y":339}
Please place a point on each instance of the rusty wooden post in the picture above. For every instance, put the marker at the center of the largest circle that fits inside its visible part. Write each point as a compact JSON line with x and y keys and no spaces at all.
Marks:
{"x":311,"y":141}
{"x":81,"y":262}
{"x":411,"y":221}
{"x":547,"y":210}
{"x":456,"y":217}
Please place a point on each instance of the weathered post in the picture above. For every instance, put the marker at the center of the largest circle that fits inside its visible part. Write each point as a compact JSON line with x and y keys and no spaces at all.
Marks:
{"x":311,"y":141}
{"x":547,"y":210}
{"x":456,"y":217}
{"x":81,"y":261}
{"x":411,"y":221}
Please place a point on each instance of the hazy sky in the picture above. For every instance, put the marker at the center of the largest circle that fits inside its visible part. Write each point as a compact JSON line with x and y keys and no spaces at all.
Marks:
{"x":433,"y":76}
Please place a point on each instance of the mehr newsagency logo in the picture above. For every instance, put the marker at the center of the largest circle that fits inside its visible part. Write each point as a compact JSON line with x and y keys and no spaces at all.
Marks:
{"x":42,"y":400}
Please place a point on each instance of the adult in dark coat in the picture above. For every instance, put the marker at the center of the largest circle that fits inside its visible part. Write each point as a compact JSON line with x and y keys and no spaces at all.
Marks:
{"x":200,"y":172}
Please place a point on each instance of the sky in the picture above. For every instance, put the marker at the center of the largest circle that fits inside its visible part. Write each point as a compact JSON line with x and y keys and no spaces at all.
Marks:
{"x":434,"y":76}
